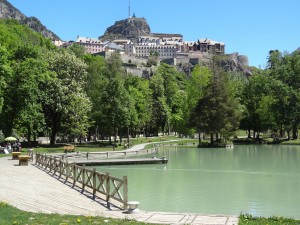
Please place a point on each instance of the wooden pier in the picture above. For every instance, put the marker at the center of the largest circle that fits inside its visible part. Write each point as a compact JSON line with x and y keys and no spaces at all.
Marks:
{"x":107,"y":162}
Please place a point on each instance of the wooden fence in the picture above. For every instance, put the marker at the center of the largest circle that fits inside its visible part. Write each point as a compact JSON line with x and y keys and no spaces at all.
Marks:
{"x":123,"y":153}
{"x":101,"y":185}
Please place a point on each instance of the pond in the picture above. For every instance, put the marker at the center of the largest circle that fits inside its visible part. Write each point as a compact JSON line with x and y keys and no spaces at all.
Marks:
{"x":262,"y":180}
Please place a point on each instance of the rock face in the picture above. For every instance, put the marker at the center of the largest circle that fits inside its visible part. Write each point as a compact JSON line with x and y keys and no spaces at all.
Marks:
{"x":236,"y":63}
{"x":7,"y":10}
{"x":130,"y":29}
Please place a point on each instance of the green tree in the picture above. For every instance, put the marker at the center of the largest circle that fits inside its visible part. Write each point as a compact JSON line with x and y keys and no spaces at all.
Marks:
{"x":114,"y":97}
{"x":22,"y":91}
{"x":216,"y":111}
{"x":77,"y":50}
{"x":5,"y":72}
{"x":140,"y":98}
{"x":253,"y":92}
{"x":285,"y":69}
{"x":160,"y":109}
{"x":62,"y":91}
{"x":95,"y":83}
{"x":196,"y":84}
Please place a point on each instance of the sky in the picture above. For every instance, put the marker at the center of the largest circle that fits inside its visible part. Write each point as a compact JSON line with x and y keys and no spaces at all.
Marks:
{"x":249,"y":27}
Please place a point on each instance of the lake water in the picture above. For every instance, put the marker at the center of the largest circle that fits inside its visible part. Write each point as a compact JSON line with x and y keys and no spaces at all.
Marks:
{"x":260,"y":180}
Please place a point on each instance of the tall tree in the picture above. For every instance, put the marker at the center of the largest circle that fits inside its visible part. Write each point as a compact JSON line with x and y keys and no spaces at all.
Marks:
{"x":216,"y":111}
{"x":95,"y":83}
{"x":160,"y":109}
{"x":114,"y":97}
{"x":5,"y":72}
{"x":64,"y":88}
{"x":140,"y":97}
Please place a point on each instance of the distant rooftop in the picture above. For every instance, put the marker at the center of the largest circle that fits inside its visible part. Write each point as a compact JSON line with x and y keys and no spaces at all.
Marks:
{"x":88,"y":40}
{"x":161,"y":35}
{"x":208,"y":41}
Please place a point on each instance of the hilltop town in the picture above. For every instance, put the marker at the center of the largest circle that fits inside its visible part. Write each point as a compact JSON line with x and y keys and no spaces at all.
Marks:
{"x":133,"y":39}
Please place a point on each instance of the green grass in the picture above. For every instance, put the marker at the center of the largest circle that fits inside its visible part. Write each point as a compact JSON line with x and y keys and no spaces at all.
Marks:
{"x":250,"y":220}
{"x":103,"y":146}
{"x":10,"y":215}
{"x":291,"y":142}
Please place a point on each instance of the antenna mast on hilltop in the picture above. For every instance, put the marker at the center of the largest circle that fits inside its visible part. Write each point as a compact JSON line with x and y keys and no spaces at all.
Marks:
{"x":129,"y":10}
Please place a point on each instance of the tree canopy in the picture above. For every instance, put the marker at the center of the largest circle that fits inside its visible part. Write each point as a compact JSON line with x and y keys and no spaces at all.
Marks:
{"x":65,"y":93}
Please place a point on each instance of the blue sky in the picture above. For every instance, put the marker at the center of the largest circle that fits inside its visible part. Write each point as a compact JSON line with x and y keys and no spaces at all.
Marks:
{"x":249,"y":27}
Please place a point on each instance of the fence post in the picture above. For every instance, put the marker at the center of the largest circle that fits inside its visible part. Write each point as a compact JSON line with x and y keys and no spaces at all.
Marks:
{"x":67,"y":170}
{"x":83,"y":178}
{"x":36,"y":158}
{"x":125,"y":191}
{"x":108,"y":190}
{"x":74,"y":174}
{"x":50,"y":162}
{"x":94,"y":183}
{"x":60,"y":167}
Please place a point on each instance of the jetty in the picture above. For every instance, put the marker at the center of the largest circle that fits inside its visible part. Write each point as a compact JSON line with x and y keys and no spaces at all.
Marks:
{"x":107,"y":162}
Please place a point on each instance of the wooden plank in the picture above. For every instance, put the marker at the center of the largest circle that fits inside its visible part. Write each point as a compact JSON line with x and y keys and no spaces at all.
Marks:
{"x":120,"y":162}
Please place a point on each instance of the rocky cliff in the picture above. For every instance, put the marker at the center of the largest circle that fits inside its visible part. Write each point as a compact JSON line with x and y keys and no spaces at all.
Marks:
{"x":130,"y":28}
{"x":7,"y":10}
{"x":236,"y":63}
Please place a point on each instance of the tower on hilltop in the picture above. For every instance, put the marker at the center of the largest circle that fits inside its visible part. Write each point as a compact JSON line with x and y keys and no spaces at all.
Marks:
{"x":129,"y":9}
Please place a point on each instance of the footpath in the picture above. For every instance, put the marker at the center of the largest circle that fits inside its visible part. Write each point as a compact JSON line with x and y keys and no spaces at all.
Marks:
{"x":32,"y":189}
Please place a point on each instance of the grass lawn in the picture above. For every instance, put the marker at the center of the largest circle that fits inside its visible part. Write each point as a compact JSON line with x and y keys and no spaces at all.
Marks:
{"x":250,"y":220}
{"x":291,"y":142}
{"x":103,"y":146}
{"x":12,"y":216}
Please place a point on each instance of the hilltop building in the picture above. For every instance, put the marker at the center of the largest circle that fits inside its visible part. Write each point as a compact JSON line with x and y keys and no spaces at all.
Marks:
{"x":144,"y":50}
{"x":205,"y":46}
{"x":91,"y":45}
{"x":166,"y":46}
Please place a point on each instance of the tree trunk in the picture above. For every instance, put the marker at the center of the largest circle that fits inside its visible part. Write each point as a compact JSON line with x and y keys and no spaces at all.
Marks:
{"x":120,"y":135}
{"x":29,"y":136}
{"x":281,"y":132}
{"x":53,"y":137}
{"x":295,"y":132}
{"x":249,"y":133}
{"x":109,"y":139}
{"x":289,"y":134}
{"x":199,"y":137}
{"x":96,"y":134}
{"x":115,"y":137}
{"x":128,"y":136}
{"x":169,"y":131}
{"x":211,"y":139}
{"x":54,"y":128}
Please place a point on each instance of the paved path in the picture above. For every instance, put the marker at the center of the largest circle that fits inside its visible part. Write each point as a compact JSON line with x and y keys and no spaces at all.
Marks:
{"x":33,"y":189}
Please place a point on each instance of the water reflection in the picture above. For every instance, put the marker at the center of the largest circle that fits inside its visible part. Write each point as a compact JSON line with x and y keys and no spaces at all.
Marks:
{"x":261,"y":180}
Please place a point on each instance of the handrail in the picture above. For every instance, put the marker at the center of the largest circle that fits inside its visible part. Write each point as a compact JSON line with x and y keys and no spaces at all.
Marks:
{"x":100,"y":184}
{"x":125,"y":153}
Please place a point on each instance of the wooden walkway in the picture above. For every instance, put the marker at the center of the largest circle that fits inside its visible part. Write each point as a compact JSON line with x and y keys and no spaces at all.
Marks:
{"x":32,"y":189}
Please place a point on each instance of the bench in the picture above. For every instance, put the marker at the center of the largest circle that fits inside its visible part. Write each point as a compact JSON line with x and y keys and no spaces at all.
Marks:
{"x":69,"y":148}
{"x":23,"y":160}
{"x":15,"y":155}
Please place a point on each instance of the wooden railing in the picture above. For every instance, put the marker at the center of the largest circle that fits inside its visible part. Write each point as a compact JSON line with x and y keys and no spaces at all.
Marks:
{"x":101,"y":185}
{"x":123,"y":153}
